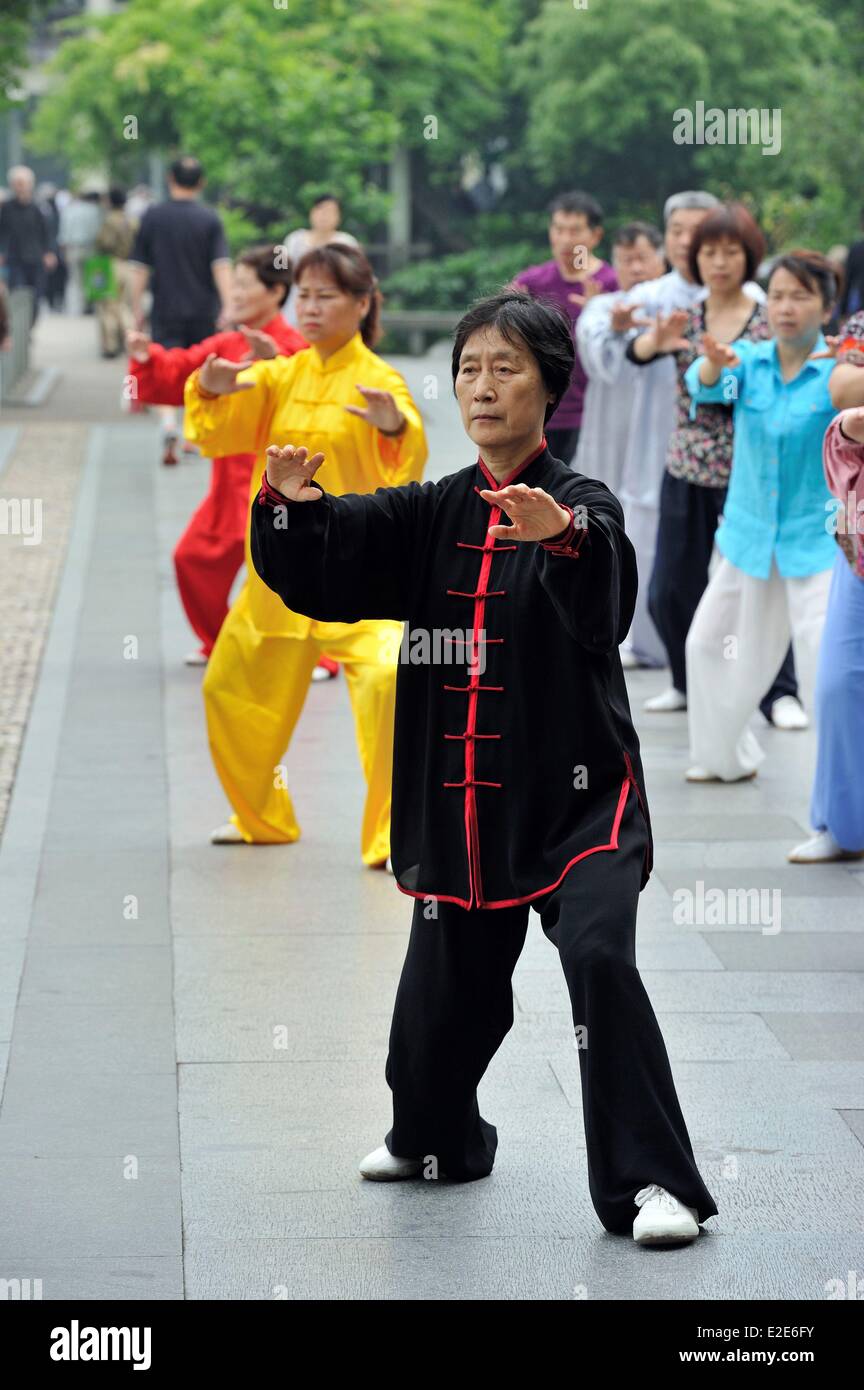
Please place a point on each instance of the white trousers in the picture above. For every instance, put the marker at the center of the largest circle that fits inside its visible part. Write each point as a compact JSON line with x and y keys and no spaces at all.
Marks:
{"x":737,"y":640}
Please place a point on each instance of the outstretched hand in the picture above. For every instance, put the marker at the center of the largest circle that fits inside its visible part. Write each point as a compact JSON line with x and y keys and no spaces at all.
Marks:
{"x":261,"y":345}
{"x":535,"y":515}
{"x":138,"y":345}
{"x":291,"y":471}
{"x":381,"y":411}
{"x":718,"y":354}
{"x":219,"y":376}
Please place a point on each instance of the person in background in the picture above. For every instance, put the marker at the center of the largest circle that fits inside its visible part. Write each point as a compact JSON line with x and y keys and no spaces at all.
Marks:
{"x":725,"y":250}
{"x":837,"y":799}
{"x":852,"y":295}
{"x":27,"y":249}
{"x":181,"y":252}
{"x":55,"y":277}
{"x":338,"y":395}
{"x":114,"y":239}
{"x":652,"y":416}
{"x":601,"y":340}
{"x":210,"y":551}
{"x":777,"y":554}
{"x":80,"y":220}
{"x":325,"y":215}
{"x":570,"y":279}
{"x":139,"y":200}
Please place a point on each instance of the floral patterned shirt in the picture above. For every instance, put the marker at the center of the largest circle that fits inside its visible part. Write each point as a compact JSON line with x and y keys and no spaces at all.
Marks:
{"x":700,"y":449}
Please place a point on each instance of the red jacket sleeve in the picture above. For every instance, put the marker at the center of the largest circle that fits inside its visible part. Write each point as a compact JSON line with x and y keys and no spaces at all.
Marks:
{"x":162,"y":378}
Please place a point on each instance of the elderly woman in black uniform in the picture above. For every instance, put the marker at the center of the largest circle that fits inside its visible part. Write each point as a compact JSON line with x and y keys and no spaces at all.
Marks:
{"x":517,"y":779}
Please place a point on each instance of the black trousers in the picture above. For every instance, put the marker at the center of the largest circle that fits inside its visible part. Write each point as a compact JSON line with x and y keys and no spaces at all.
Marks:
{"x":454,"y":1006}
{"x":689,"y":516}
{"x":563,"y":443}
{"x":180,"y":333}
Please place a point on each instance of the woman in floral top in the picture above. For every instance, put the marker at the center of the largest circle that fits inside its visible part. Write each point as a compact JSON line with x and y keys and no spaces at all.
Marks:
{"x":727,"y":247}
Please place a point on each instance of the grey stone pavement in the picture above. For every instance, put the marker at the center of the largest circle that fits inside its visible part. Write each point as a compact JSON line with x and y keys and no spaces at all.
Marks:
{"x":193,"y":1038}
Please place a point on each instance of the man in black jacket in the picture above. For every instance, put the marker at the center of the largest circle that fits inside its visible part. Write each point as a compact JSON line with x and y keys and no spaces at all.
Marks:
{"x":25,"y":239}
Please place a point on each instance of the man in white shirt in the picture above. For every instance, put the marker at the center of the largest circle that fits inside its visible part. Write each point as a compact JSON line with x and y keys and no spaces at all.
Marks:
{"x":652,"y":414}
{"x":602,"y":332}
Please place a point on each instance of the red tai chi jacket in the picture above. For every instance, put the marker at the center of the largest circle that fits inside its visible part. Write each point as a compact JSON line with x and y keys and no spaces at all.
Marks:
{"x":515,"y":753}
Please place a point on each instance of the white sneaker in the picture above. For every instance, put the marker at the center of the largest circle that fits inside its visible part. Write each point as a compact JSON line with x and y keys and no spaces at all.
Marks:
{"x":227,"y":834}
{"x":629,"y":659}
{"x":788,"y":713}
{"x":701,"y":774}
{"x":195,"y":659}
{"x":382,"y":1166}
{"x":822,"y":849}
{"x":662,"y":1219}
{"x":670,"y":699}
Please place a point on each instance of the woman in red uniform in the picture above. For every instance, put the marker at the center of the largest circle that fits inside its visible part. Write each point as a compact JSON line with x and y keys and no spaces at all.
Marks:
{"x":516,"y":782}
{"x":210,"y":551}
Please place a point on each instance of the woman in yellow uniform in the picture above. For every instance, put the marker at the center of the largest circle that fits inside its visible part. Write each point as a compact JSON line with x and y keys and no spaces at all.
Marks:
{"x":337,"y":397}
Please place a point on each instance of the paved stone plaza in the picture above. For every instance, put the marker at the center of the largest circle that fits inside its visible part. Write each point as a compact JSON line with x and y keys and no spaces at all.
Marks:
{"x":193,"y":1038}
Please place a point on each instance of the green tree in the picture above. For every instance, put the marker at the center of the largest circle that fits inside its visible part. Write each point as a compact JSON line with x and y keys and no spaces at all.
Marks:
{"x":603,"y":85}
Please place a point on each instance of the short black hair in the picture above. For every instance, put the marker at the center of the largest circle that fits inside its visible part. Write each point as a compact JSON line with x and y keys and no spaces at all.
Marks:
{"x":630,"y":233}
{"x":578,"y":202}
{"x":326,"y":198}
{"x":266,"y":261}
{"x":117,"y":196}
{"x":812,"y":270}
{"x":538,"y":323}
{"x":187,"y":171}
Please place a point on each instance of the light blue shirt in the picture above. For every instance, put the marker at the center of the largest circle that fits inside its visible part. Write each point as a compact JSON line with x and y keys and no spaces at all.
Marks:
{"x":778,"y":501}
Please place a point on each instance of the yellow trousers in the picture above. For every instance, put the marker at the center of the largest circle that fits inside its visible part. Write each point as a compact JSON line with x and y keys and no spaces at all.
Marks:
{"x":254,"y":690}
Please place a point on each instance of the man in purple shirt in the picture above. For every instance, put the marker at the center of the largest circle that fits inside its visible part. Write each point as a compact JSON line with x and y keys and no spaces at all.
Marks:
{"x":570,"y":279}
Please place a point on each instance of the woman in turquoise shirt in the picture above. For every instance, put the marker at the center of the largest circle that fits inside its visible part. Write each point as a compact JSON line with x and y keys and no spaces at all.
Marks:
{"x":773,"y":579}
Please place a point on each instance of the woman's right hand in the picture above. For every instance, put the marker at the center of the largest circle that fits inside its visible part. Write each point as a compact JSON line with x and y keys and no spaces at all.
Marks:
{"x":138,"y":345}
{"x":219,"y":376}
{"x":718,"y":354}
{"x":291,"y":471}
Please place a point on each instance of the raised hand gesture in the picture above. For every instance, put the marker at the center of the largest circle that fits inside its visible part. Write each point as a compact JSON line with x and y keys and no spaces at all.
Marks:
{"x":219,"y":376}
{"x":291,"y":471}
{"x":261,"y":345}
{"x":381,"y":412}
{"x":626,"y":316}
{"x":138,"y":345}
{"x":718,"y":354}
{"x":535,"y":515}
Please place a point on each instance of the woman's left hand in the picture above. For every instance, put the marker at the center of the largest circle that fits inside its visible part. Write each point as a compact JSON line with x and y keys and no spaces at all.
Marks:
{"x":381,"y":412}
{"x":536,"y":516}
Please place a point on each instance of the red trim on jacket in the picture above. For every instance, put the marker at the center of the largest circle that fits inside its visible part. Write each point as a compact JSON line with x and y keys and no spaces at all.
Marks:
{"x":529,"y":897}
{"x":494,"y":484}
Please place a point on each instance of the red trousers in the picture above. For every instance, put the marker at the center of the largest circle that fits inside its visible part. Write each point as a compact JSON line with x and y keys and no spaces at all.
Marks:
{"x":210,"y":551}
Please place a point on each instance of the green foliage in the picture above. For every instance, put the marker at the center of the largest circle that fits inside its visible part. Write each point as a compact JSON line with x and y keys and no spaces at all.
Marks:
{"x":456,"y":280}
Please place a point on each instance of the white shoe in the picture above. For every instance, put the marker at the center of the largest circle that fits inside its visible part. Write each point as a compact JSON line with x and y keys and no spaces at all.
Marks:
{"x":195,"y":659}
{"x":382,"y":1166}
{"x":629,"y":659}
{"x":662,"y":1219}
{"x":227,"y":834}
{"x":670,"y":699}
{"x":788,"y":713}
{"x":320,"y":673}
{"x":701,"y":774}
{"x":822,"y":849}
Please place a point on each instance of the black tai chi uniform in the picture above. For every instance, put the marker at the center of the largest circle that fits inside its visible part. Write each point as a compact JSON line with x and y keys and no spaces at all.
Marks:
{"x":517,"y":782}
